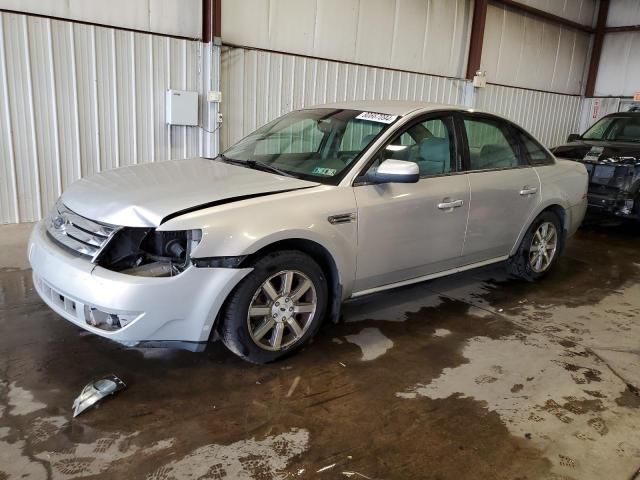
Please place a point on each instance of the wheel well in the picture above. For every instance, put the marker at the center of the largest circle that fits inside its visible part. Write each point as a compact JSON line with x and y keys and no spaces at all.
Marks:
{"x":320,"y":254}
{"x":562,"y":216}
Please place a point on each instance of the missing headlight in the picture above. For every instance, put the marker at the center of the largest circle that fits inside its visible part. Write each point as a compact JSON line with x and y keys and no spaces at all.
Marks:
{"x":150,"y":253}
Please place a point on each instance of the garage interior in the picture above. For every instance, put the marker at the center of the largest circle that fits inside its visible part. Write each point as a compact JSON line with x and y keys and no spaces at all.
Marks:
{"x":476,"y":375}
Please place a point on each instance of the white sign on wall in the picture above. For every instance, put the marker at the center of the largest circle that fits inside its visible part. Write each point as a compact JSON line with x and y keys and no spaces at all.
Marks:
{"x":595,"y":108}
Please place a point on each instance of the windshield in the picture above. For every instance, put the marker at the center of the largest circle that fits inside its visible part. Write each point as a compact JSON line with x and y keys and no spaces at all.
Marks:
{"x":316,"y":144}
{"x":615,"y":129}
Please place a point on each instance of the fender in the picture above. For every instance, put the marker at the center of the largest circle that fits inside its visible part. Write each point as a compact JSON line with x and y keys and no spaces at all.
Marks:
{"x":245,"y":227}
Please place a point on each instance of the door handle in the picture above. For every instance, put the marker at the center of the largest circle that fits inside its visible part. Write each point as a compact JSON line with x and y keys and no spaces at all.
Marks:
{"x":528,"y":191}
{"x":450,"y":205}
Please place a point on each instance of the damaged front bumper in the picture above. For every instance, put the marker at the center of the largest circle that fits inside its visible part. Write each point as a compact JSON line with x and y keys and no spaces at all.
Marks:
{"x":177,"y":312}
{"x":618,"y":203}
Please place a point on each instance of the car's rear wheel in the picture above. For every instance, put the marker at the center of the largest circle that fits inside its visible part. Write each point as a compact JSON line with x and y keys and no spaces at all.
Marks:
{"x":539,"y":249}
{"x":276,"y":309}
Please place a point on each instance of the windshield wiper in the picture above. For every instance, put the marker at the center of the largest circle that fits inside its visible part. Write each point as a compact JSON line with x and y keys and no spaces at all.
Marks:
{"x":265,"y":167}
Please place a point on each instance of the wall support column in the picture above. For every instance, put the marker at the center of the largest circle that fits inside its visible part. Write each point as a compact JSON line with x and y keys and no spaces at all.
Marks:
{"x":598,"y":39}
{"x":477,"y":37}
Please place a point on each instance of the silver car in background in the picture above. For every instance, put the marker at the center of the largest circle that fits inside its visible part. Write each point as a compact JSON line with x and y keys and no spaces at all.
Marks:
{"x":261,"y":244}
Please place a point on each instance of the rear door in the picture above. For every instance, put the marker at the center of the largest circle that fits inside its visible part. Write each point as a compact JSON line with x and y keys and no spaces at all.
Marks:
{"x":504,"y":187}
{"x":408,"y":230}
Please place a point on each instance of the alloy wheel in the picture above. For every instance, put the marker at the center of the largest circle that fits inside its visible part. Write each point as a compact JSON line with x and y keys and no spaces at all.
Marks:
{"x":544,"y":246}
{"x":282,"y":310}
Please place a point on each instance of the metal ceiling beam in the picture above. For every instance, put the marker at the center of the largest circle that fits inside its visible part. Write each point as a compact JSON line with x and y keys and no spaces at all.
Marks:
{"x":594,"y":61}
{"x":542,"y":15}
{"x":625,"y":28}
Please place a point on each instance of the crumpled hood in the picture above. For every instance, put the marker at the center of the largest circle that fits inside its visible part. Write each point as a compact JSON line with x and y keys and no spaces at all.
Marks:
{"x":143,"y":195}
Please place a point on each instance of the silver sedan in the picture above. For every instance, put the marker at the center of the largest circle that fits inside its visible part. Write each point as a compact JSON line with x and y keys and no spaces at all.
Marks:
{"x":263,"y":243}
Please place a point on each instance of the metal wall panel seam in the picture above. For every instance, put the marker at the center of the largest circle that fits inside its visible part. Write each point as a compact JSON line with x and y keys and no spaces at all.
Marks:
{"x":34,"y":146}
{"x":54,"y":113}
{"x":152,"y":118}
{"x":7,"y":117}
{"x":114,"y":98}
{"x":185,"y":86}
{"x":74,"y":92}
{"x":132,"y":48}
{"x":96,"y":115}
{"x":167,"y":127}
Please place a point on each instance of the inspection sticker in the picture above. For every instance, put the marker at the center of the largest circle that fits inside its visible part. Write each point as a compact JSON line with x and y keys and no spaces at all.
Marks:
{"x":377,"y":117}
{"x":328,"y":172}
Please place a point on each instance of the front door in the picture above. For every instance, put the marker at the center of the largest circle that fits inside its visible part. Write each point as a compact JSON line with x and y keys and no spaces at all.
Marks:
{"x":408,"y":230}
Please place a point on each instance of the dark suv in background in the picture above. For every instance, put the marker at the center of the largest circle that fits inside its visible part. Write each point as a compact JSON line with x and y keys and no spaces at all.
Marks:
{"x":610,"y":150}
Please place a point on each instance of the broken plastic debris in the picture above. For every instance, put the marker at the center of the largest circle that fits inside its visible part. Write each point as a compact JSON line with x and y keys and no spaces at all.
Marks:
{"x":324,"y":469}
{"x":342,"y":364}
{"x":355,"y":474}
{"x":95,"y":391}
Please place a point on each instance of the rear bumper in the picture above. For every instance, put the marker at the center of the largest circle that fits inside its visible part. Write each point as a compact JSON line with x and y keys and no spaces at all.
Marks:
{"x":175,"y":311}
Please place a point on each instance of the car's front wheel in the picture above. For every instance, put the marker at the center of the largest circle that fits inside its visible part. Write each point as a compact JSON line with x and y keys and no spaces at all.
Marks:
{"x":276,"y":309}
{"x":539,"y":248}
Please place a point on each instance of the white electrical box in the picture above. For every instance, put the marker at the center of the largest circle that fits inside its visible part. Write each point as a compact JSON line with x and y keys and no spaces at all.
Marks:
{"x":214,"y":96}
{"x":480,"y":79}
{"x":182,"y":107}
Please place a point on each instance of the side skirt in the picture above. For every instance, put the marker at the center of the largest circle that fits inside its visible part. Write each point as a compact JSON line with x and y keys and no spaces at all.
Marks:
{"x":429,"y":277}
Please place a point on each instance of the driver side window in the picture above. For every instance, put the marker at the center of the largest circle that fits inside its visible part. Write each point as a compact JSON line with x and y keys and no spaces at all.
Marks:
{"x":429,"y":144}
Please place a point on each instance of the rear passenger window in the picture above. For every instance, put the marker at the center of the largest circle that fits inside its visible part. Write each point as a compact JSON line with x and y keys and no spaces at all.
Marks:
{"x":537,"y":154}
{"x":489,"y":147}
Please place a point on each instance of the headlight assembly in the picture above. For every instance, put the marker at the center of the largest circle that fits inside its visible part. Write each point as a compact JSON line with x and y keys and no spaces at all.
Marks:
{"x":150,"y":253}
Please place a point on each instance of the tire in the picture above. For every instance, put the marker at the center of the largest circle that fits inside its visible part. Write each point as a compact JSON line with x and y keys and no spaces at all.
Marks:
{"x":260,"y":338}
{"x":526,"y":263}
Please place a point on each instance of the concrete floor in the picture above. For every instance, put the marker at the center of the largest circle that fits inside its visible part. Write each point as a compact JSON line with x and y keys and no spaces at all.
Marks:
{"x":472,"y":376}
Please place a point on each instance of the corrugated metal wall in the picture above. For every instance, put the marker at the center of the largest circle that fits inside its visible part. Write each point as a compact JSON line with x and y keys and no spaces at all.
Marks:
{"x":619,"y":68}
{"x":173,"y":17}
{"x":593,"y":109}
{"x":77,"y":99}
{"x":258,"y":86}
{"x":428,"y":36}
{"x":623,"y":12}
{"x":522,"y":51}
{"x":581,"y":11}
{"x":549,"y":117}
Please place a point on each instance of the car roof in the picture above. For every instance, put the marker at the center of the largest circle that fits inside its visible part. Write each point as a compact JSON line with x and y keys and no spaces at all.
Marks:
{"x":390,"y":107}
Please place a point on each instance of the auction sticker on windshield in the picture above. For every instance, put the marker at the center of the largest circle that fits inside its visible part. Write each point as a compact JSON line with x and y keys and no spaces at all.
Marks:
{"x":377,"y":117}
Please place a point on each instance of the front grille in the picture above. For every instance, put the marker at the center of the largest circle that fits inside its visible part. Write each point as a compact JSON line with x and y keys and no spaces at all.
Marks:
{"x":77,"y":233}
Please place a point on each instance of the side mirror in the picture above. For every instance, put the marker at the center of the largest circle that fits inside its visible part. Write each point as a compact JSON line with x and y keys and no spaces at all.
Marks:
{"x":395,"y":171}
{"x":573,"y":137}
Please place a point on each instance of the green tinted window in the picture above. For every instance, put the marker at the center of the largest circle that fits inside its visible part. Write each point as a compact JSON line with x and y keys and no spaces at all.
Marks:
{"x":489,"y":147}
{"x":429,"y":144}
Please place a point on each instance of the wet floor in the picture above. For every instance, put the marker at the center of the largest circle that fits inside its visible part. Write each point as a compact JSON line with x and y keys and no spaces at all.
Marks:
{"x":471,"y":376}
